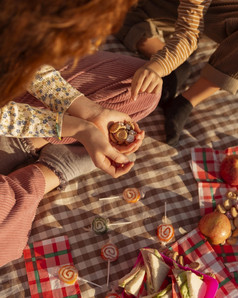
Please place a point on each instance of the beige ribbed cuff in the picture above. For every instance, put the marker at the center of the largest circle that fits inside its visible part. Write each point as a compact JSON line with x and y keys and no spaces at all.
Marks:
{"x":220,"y":79}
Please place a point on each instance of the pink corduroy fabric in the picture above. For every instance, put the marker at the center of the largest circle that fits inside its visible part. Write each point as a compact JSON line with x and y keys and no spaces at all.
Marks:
{"x":20,"y":194}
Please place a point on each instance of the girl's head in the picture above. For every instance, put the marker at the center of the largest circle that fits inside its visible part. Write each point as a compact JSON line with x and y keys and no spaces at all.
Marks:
{"x":33,"y":33}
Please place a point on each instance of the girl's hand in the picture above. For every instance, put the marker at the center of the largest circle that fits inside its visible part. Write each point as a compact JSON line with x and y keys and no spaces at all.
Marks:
{"x":107,"y":117}
{"x":146,"y":79}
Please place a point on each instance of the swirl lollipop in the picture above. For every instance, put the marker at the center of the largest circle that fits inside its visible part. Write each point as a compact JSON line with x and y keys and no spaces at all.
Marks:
{"x":101,"y":224}
{"x":109,"y":253}
{"x":132,"y":195}
{"x":129,"y":194}
{"x":69,"y":274}
{"x":165,"y":232}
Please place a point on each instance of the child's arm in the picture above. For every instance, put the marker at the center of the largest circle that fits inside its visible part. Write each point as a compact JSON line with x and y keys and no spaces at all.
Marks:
{"x":178,"y":47}
{"x":24,"y":121}
{"x":182,"y":43}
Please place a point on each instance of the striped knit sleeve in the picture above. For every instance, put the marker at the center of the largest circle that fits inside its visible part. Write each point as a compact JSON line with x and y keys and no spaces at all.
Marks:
{"x":182,"y":43}
{"x":20,"y":194}
{"x":52,"y":89}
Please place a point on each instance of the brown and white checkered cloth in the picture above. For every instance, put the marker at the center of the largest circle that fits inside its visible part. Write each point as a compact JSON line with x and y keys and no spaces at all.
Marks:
{"x":162,"y":171}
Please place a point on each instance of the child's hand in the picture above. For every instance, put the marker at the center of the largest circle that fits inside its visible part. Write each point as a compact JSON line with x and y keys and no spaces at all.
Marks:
{"x":147,"y":79}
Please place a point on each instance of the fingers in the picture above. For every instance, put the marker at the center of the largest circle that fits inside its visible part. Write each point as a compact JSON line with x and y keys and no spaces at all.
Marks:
{"x":136,"y":83}
{"x":115,"y":164}
{"x":145,"y":80}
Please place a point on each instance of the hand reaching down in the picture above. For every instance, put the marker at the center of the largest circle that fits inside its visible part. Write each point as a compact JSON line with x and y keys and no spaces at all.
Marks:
{"x":146,"y":79}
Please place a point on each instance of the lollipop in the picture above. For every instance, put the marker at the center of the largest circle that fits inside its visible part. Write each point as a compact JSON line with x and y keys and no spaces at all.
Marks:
{"x":165,"y":232}
{"x":69,"y":274}
{"x":132,"y":195}
{"x":109,"y":253}
{"x":100,"y":225}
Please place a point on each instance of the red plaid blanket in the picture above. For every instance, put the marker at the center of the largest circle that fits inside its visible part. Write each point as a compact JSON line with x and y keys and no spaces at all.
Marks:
{"x":42,"y":259}
{"x":212,"y":190}
{"x":194,"y":248}
{"x":206,"y":162}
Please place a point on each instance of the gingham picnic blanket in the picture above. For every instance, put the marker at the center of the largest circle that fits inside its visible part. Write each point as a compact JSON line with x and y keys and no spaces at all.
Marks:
{"x":162,"y":171}
{"x":43,"y":260}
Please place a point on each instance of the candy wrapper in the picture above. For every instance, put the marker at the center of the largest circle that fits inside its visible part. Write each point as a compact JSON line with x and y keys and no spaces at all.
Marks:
{"x":195,"y":248}
{"x":163,"y":276}
{"x":41,"y":260}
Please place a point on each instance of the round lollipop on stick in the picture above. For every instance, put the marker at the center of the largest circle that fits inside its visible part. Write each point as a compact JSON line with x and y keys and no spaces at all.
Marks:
{"x":132,"y":194}
{"x":109,"y":253}
{"x":101,"y":224}
{"x":165,"y":231}
{"x":129,"y":194}
{"x":69,"y":274}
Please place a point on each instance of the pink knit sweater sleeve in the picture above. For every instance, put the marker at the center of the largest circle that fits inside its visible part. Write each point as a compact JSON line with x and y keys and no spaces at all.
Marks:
{"x":20,"y":194}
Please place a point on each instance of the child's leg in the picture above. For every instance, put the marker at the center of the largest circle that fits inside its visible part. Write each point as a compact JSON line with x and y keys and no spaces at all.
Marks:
{"x":220,"y":73}
{"x":15,"y":152}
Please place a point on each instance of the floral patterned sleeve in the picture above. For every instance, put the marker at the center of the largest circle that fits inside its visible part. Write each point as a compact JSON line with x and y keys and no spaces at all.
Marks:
{"x":24,"y":121}
{"x":50,"y":88}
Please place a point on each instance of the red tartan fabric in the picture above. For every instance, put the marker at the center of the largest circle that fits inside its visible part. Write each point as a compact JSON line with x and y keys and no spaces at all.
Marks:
{"x":212,"y":190}
{"x":206,"y":162}
{"x":42,"y":259}
{"x":211,"y":194}
{"x":194,"y":248}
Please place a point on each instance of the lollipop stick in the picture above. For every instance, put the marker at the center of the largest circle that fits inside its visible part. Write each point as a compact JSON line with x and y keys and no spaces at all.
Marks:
{"x":90,"y":282}
{"x":108,"y":271}
{"x":119,"y":223}
{"x":165,"y":211}
{"x":108,"y":198}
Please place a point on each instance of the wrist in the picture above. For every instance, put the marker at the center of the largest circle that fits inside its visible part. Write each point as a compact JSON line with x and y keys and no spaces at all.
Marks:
{"x":156,"y":67}
{"x":75,"y":127}
{"x":84,"y":108}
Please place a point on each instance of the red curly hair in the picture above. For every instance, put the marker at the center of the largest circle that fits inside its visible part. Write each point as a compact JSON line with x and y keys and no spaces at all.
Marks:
{"x":33,"y":33}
